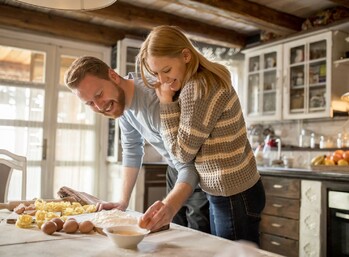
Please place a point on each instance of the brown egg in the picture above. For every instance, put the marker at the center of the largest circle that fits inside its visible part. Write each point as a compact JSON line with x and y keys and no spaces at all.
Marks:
{"x":59,"y":222}
{"x":86,"y":226}
{"x":49,"y":227}
{"x":70,"y":226}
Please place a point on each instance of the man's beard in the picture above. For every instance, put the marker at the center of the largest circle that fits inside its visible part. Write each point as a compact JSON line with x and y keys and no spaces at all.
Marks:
{"x":119,"y":104}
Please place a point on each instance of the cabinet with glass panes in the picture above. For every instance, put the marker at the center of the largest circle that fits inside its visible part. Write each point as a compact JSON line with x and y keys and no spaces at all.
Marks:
{"x":312,"y":85}
{"x":263,"y":84}
{"x":125,"y":53}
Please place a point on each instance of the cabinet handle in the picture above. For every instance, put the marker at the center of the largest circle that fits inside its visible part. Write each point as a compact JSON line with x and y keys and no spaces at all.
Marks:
{"x":275,"y":243}
{"x":276,"y":225}
{"x":342,"y":215}
{"x":277,"y":186}
{"x":277,"y":205}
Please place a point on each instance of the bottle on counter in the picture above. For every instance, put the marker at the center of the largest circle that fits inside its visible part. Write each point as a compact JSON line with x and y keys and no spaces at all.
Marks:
{"x":322,"y":143}
{"x":303,"y":139}
{"x":339,"y":140}
{"x":312,"y":140}
{"x":267,"y":153}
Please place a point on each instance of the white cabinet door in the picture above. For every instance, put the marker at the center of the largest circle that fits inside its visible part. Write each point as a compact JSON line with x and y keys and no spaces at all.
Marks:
{"x":313,"y":85}
{"x":263,"y":84}
{"x":127,"y":51}
{"x":307,"y":68}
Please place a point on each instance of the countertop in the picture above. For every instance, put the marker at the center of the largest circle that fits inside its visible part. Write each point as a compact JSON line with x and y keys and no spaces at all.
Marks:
{"x":323,"y":175}
{"x":177,"y":241}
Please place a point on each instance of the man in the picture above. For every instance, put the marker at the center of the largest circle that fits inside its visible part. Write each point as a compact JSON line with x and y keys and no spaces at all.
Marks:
{"x":137,"y":107}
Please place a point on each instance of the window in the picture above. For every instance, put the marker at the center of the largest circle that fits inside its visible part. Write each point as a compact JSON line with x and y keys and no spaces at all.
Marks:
{"x":41,"y":119}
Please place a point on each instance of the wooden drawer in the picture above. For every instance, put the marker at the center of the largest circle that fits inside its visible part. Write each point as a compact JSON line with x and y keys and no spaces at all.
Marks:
{"x":280,"y":226}
{"x":279,"y":245}
{"x":283,"y":187}
{"x":277,"y":206}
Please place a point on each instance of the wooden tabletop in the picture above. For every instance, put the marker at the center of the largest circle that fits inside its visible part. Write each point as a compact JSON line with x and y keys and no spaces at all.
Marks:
{"x":177,"y":241}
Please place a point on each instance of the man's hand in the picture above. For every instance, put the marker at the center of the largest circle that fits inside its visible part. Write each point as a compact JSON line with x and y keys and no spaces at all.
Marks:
{"x":109,"y":206}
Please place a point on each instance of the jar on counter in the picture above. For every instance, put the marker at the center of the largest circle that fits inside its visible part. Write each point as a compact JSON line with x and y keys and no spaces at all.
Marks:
{"x":326,"y":142}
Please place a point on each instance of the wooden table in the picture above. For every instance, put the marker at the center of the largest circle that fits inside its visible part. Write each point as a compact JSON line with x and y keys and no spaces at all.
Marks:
{"x":177,"y":241}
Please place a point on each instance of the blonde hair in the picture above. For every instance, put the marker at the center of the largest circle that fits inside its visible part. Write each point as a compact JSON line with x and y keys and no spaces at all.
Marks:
{"x":170,"y":41}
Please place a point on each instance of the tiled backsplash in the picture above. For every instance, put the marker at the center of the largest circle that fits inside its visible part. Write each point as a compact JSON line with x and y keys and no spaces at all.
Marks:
{"x":289,"y":132}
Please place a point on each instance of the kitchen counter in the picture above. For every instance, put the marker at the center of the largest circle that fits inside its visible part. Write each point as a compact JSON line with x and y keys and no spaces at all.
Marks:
{"x":323,"y":175}
{"x":177,"y":241}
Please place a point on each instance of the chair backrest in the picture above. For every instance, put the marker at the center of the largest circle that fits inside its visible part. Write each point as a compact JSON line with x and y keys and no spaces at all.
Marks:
{"x":9,"y":162}
{"x":5,"y":175}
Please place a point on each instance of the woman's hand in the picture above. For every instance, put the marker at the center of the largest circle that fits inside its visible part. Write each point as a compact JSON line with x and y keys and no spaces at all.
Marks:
{"x":157,"y":216}
{"x":165,"y":93}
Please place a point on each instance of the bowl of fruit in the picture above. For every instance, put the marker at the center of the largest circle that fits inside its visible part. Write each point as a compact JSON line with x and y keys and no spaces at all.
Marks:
{"x":337,"y":160}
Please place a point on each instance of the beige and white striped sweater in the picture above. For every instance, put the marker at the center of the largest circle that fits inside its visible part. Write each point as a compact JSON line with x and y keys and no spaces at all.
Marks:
{"x":211,"y":132}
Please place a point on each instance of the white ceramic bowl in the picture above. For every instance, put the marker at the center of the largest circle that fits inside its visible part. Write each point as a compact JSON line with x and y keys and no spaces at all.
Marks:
{"x":126,"y":236}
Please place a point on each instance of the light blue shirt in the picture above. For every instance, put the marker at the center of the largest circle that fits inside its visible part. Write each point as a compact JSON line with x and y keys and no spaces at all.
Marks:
{"x":142,"y":121}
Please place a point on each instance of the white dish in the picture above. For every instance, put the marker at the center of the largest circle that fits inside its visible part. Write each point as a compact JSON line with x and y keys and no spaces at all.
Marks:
{"x":126,"y":236}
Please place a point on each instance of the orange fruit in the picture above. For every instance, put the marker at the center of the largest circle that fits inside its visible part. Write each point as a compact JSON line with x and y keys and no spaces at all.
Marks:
{"x":339,"y":152}
{"x":336,"y":157}
{"x":345,"y":155}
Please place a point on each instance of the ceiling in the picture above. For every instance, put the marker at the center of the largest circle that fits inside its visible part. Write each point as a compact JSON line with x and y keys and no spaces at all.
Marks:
{"x":229,"y":23}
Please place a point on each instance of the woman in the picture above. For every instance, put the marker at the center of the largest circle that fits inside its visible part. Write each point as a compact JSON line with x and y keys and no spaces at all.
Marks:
{"x":202,"y":121}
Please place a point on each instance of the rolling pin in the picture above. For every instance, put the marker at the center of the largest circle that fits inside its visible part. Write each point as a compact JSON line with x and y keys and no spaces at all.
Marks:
{"x":13,"y":204}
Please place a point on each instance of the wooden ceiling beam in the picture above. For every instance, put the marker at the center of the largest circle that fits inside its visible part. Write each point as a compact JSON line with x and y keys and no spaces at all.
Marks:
{"x":253,"y":14}
{"x":59,"y":26}
{"x":132,"y":16}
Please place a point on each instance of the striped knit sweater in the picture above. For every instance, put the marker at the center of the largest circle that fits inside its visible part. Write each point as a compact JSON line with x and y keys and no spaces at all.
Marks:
{"x":211,"y":132}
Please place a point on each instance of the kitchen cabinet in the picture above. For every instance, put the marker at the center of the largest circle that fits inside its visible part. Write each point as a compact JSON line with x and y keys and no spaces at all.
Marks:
{"x":123,"y":61}
{"x":263,"y":84}
{"x":312,"y":83}
{"x":125,"y":53}
{"x":296,"y":78}
{"x":312,"y":219}
{"x":280,"y":218}
{"x":154,"y":184}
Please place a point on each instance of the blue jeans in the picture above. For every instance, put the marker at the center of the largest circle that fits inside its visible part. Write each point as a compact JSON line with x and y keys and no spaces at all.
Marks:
{"x":237,"y":217}
{"x":195,"y":212}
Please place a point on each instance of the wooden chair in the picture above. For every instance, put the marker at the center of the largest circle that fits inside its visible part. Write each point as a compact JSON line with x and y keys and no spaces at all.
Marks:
{"x":9,"y":162}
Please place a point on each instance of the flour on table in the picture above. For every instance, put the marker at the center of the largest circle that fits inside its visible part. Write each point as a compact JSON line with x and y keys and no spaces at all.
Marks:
{"x":111,"y":218}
